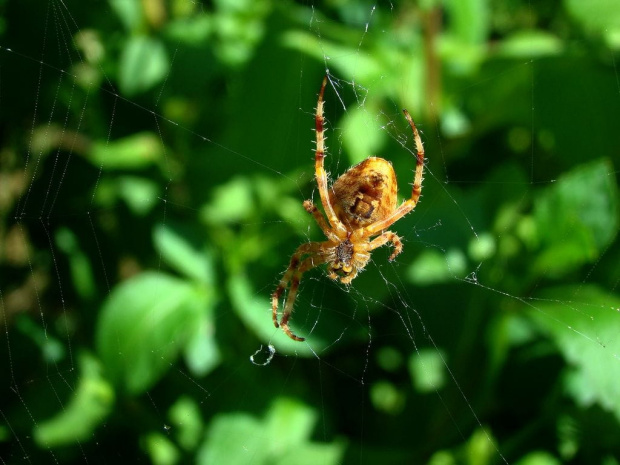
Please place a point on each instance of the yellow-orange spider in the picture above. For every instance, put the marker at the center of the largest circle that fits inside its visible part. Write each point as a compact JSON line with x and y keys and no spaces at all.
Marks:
{"x":359,"y":205}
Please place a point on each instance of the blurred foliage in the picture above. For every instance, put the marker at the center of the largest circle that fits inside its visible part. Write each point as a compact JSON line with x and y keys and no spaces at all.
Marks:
{"x":154,"y":156}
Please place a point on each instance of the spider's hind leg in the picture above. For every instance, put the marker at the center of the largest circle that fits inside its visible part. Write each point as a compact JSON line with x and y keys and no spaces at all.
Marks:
{"x":387,"y":236}
{"x":296,"y":269}
{"x":416,"y":191}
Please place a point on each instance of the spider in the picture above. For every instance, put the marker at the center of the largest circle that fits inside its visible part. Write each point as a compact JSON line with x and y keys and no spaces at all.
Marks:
{"x":359,"y":205}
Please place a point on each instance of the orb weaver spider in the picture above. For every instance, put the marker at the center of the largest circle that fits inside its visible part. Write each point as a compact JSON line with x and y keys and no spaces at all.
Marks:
{"x":360,"y":204}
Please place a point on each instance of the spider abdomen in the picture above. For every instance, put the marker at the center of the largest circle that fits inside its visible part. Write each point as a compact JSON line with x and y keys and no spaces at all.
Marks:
{"x":365,"y":194}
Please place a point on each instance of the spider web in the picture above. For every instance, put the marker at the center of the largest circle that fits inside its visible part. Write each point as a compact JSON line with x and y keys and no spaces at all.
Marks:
{"x":148,"y":213}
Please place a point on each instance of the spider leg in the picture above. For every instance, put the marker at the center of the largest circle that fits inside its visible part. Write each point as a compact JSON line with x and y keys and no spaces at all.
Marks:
{"x":303,"y":249}
{"x":410,"y":203}
{"x":320,"y":219}
{"x":306,"y":265}
{"x":319,"y":165}
{"x":387,"y":236}
{"x":296,"y":269}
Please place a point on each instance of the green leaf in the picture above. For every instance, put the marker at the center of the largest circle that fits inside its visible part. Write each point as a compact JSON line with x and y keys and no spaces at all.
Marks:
{"x":443,"y":457}
{"x":352,"y":60}
{"x":144,"y":324}
{"x":160,"y":449}
{"x":81,"y":271}
{"x":432,"y":267}
{"x":480,"y":449}
{"x":482,"y":247}
{"x":129,"y":12}
{"x":463,"y":46}
{"x":132,"y":152}
{"x":234,"y":439}
{"x":428,"y":370}
{"x":387,"y":397}
{"x":181,"y":255}
{"x":569,"y":438}
{"x":469,"y":20}
{"x":539,"y":458}
{"x":186,"y":421}
{"x":201,"y":353}
{"x":312,"y":454}
{"x":291,"y":422}
{"x":530,"y":44}
{"x":140,"y":194}
{"x":577,"y":217}
{"x":282,"y":437}
{"x":91,"y":403}
{"x":52,"y":349}
{"x":194,"y":30}
{"x":231,"y":202}
{"x":598,"y":15}
{"x":239,"y":25}
{"x":143,"y":64}
{"x":360,"y":134}
{"x":582,"y":321}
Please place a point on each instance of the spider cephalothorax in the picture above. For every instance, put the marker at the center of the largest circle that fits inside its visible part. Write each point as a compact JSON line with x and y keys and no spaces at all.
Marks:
{"x":343,"y":258}
{"x":360,"y":205}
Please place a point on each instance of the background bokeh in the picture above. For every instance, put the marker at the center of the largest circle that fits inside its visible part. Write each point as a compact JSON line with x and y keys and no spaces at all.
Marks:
{"x":154,"y":156}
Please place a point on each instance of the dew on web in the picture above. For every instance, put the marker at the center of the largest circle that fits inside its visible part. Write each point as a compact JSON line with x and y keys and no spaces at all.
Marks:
{"x":265,"y":359}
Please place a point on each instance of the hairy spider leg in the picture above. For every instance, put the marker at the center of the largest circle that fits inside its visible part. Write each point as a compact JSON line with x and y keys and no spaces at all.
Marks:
{"x":387,"y":236}
{"x":408,"y":204}
{"x":295,"y":270}
{"x":320,"y":219}
{"x":319,"y":167}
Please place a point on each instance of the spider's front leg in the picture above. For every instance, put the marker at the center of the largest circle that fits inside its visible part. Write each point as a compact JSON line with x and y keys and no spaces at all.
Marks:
{"x":319,"y":166}
{"x":387,"y":236}
{"x":311,"y":208}
{"x":295,"y":270}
